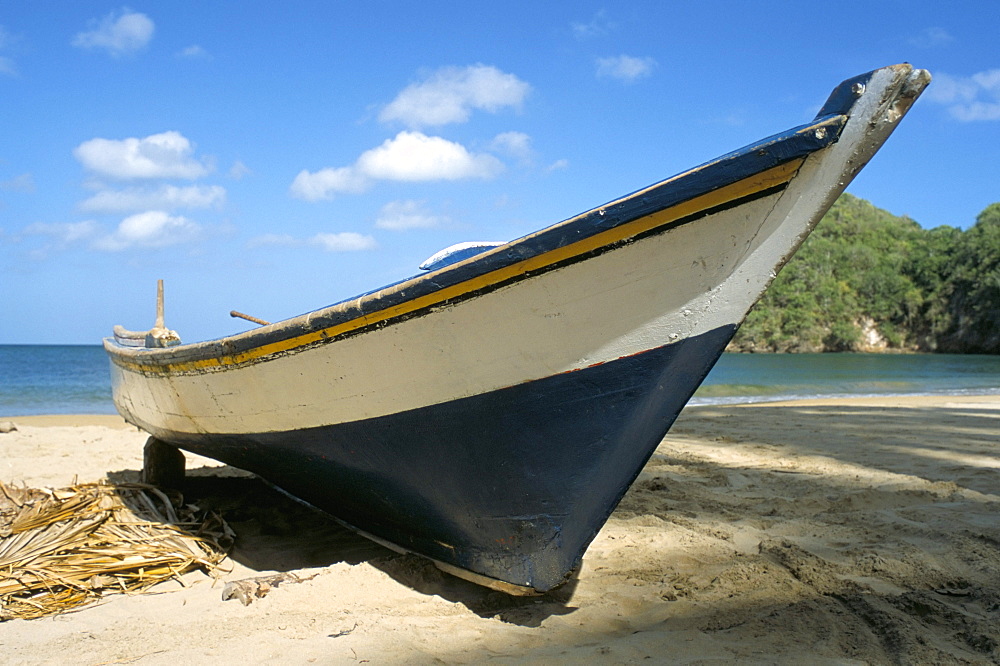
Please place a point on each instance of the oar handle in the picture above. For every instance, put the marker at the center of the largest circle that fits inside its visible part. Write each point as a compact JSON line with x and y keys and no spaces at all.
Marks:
{"x":234,"y":313}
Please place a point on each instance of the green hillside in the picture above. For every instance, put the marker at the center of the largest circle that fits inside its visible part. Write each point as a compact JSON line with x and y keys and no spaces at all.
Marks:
{"x":867,"y":280}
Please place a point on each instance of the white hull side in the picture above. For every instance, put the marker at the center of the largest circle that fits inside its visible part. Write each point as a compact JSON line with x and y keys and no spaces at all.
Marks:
{"x":683,"y":282}
{"x":623,"y":302}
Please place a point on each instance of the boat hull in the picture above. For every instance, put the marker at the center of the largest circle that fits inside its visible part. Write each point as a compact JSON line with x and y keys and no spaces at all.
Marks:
{"x":491,"y":414}
{"x":511,"y":484}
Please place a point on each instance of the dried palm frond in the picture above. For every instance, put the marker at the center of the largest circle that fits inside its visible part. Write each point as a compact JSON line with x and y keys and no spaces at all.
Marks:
{"x":65,"y":548}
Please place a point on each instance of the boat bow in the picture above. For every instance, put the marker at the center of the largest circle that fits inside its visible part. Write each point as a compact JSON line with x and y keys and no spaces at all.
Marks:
{"x":490,"y":413}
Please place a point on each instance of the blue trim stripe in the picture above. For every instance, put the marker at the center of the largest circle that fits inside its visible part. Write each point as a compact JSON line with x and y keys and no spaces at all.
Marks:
{"x":787,"y":148}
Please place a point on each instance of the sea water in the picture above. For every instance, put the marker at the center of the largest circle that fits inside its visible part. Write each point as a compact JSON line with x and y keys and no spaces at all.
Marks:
{"x":74,"y":379}
{"x":766,"y":377}
{"x":54,"y":379}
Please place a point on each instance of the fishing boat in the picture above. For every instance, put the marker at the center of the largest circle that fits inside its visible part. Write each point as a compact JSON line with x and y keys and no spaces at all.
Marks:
{"x":490,"y":412}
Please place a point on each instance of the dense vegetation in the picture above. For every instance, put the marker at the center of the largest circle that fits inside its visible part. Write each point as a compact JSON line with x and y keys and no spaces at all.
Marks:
{"x":867,"y":280}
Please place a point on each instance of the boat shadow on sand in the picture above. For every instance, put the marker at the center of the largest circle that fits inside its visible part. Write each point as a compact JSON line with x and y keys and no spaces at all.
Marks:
{"x":276,"y":533}
{"x":750,"y":517}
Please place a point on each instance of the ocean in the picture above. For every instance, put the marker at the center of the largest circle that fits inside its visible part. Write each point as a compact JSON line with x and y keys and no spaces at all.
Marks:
{"x":768,"y":377}
{"x":73,"y":379}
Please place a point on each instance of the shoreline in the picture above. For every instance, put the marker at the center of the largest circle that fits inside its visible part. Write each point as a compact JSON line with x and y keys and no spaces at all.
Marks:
{"x":69,"y":420}
{"x":900,"y":399}
{"x":865,"y":528}
{"x":711,"y":401}
{"x":887,"y":400}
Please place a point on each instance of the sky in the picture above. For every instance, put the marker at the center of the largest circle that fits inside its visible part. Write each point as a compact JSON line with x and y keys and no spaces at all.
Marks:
{"x":274,"y":158}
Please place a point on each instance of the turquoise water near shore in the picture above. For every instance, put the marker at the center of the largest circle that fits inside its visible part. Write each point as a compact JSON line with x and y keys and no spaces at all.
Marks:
{"x":74,"y":379}
{"x":766,"y":377}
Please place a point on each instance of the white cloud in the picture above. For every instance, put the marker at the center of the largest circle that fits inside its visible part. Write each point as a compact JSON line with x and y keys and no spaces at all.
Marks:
{"x":194,"y":52}
{"x":7,"y":65}
{"x":408,"y":214}
{"x":625,"y":68}
{"x":595,"y":27}
{"x":239,"y":170}
{"x":976,"y":111}
{"x":952,"y":89}
{"x":323,"y":183}
{"x":151,"y":229}
{"x":558,"y":165}
{"x":515,"y":144}
{"x":118,"y":33}
{"x":970,"y":98}
{"x":345,"y":241}
{"x":63,"y":233}
{"x":23,"y":183}
{"x":279,"y":240}
{"x":450,"y":94}
{"x":409,"y":156}
{"x":60,"y":235}
{"x":164,"y":155}
{"x":931,"y":37}
{"x":988,"y":80}
{"x":166,"y":197}
{"x":412,"y":156}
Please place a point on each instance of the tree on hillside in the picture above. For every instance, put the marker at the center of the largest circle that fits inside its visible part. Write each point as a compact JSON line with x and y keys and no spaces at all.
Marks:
{"x":928,"y":289}
{"x":975,"y":287}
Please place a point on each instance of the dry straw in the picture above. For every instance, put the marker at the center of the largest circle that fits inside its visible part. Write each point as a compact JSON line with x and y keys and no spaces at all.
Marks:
{"x":60,"y":549}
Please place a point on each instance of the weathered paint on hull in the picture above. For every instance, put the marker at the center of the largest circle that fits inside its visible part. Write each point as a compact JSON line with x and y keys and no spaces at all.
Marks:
{"x":490,"y":414}
{"x":512,"y":484}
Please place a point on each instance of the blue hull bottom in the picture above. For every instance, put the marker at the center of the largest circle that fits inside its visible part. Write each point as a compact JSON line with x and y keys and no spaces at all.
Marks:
{"x":512,"y":485}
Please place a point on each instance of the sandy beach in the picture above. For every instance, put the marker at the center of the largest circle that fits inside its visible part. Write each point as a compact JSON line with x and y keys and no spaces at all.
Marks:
{"x":827,"y":531}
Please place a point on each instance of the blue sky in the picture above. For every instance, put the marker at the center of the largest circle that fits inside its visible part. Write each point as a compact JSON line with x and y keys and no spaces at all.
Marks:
{"x":277,"y":157}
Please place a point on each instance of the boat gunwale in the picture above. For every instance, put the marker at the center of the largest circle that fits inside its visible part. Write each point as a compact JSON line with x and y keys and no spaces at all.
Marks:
{"x":313,"y":328}
{"x":570,"y":443}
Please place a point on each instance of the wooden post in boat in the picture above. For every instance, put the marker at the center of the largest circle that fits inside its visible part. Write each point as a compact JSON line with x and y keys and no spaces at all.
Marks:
{"x":162,"y":464}
{"x":159,"y":305}
{"x":160,"y":335}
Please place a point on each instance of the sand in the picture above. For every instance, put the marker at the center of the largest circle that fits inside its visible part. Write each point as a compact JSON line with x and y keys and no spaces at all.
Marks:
{"x":835,"y":531}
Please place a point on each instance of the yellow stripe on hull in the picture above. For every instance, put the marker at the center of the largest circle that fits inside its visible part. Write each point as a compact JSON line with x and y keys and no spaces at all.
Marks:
{"x":757,"y":183}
